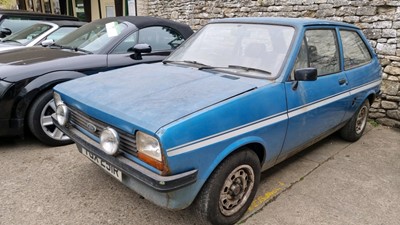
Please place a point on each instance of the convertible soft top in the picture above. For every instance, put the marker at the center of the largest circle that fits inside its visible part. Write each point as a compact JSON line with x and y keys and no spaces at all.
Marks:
{"x":148,"y":21}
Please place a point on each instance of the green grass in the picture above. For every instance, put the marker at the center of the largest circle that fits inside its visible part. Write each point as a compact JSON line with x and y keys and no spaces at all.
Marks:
{"x":373,"y":122}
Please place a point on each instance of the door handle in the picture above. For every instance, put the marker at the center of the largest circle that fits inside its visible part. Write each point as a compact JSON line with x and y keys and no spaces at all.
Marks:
{"x":342,"y":81}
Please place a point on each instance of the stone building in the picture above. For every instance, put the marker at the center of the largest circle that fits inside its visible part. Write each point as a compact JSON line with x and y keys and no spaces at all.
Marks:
{"x":379,"y":20}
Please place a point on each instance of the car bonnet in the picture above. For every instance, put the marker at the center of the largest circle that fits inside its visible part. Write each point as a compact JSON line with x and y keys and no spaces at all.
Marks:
{"x":149,"y":96}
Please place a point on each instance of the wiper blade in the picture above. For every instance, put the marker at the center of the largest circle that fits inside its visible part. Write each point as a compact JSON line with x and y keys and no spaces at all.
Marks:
{"x":194,"y":62}
{"x":245,"y":68}
{"x":185,"y":62}
{"x":9,"y":40}
{"x":71,"y":48}
{"x":249,"y":69}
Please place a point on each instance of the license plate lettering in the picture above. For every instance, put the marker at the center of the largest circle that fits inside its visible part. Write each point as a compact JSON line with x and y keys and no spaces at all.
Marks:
{"x":103,"y":164}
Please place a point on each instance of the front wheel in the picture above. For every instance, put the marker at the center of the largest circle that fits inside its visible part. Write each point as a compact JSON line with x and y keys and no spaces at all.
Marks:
{"x":41,"y":124}
{"x":230,"y":189}
{"x":354,"y":129}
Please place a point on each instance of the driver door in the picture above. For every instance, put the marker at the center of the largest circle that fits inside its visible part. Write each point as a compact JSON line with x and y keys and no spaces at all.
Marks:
{"x":317,"y":107}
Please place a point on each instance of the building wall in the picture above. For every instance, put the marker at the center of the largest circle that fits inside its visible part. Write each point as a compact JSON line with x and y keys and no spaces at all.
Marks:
{"x":379,"y":20}
{"x":142,"y":7}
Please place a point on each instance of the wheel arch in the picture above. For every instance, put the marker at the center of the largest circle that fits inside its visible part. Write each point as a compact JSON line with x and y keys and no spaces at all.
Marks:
{"x":255,"y":144}
{"x":38,"y":86}
{"x":371,"y":97}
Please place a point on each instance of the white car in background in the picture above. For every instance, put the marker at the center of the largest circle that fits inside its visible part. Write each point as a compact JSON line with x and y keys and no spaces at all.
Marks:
{"x":49,"y":31}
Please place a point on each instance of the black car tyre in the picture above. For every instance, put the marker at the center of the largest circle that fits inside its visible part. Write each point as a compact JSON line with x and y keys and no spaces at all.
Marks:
{"x":230,"y":189}
{"x":354,"y":129}
{"x":41,"y":124}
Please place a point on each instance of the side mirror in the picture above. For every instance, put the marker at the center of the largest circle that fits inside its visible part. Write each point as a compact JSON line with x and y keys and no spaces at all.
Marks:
{"x":138,"y":49}
{"x":5,"y":32}
{"x":306,"y":74}
{"x":47,"y":42}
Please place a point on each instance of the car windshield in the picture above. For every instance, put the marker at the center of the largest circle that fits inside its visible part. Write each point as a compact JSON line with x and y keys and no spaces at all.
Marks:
{"x":27,"y":35}
{"x":256,"y":50}
{"x":15,"y":24}
{"x":93,"y":36}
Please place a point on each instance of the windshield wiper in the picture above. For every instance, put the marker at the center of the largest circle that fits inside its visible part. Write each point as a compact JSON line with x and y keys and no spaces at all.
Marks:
{"x":9,"y":40}
{"x":249,"y":69}
{"x":186,"y":62}
{"x":245,"y":68}
{"x":71,"y":48}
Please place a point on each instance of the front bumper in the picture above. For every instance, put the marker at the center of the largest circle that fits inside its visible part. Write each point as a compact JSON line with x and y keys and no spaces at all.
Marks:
{"x":130,"y":169}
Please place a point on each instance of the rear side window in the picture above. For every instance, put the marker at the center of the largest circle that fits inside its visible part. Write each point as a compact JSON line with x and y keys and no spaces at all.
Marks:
{"x":323,"y":51}
{"x":354,"y":49}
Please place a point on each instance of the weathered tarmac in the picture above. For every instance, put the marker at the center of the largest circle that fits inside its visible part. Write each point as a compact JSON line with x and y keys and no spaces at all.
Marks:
{"x":332,"y":182}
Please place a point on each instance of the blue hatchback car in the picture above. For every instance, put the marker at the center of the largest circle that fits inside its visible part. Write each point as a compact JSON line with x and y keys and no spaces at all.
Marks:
{"x":238,"y":97}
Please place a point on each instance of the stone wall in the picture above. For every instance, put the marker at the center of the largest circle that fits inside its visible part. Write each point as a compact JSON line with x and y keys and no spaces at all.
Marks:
{"x":379,"y":20}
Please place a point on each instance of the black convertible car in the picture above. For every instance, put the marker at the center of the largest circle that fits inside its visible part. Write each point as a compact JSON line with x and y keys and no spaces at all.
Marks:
{"x":28,"y":75}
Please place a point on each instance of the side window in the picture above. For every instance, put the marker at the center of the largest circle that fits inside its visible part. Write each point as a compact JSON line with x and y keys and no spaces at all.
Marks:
{"x":323,"y":51}
{"x":160,"y":38}
{"x":126,"y":44}
{"x":301,"y":60}
{"x":354,"y":49}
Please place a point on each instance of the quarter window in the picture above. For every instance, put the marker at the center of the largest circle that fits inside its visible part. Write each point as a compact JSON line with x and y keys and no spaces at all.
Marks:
{"x":322,"y":50}
{"x":354,"y":49}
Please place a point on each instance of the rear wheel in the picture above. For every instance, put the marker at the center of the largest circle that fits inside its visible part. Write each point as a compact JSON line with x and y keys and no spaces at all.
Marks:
{"x":230,"y":189}
{"x":354,"y":129}
{"x":41,"y":124}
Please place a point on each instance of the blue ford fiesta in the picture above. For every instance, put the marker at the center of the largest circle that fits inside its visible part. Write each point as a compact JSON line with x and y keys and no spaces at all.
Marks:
{"x":238,"y":97}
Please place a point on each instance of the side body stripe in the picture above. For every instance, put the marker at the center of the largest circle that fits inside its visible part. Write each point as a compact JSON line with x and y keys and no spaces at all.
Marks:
{"x":266,"y":121}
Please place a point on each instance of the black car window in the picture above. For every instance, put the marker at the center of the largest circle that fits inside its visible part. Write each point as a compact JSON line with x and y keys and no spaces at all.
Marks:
{"x":354,"y":49}
{"x":323,"y":51}
{"x":127,"y":44}
{"x":160,"y":38}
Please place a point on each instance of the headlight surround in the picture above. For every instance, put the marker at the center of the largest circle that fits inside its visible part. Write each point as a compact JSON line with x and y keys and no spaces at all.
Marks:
{"x":148,"y":145}
{"x":57,"y":99}
{"x":62,"y":114}
{"x":109,"y":141}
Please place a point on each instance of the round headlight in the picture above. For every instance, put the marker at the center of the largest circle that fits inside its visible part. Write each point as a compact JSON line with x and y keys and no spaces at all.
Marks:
{"x":109,"y":141}
{"x":62,"y":114}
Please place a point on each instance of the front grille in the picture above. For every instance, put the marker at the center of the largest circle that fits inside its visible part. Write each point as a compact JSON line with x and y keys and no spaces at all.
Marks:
{"x":127,"y":141}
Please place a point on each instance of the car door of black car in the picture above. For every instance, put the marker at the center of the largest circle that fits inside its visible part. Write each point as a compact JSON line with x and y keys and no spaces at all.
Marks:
{"x":162,"y":40}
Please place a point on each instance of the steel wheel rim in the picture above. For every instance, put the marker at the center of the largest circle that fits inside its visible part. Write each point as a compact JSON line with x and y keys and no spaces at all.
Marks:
{"x":236,"y":190}
{"x":47,"y":123}
{"x":361,"y":119}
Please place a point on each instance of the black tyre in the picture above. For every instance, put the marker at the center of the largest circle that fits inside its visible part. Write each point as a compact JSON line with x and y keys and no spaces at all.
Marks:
{"x":41,"y":124}
{"x":354,"y":129}
{"x":230,"y":189}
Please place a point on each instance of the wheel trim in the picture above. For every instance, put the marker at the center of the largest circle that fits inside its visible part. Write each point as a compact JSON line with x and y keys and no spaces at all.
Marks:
{"x":361,"y":120}
{"x":47,"y":124}
{"x":236,"y":190}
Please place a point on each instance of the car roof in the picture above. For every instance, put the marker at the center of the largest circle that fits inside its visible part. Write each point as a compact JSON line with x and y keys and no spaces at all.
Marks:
{"x":148,"y":21}
{"x":295,"y":22}
{"x":46,"y":16}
